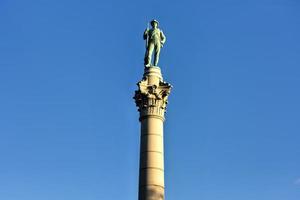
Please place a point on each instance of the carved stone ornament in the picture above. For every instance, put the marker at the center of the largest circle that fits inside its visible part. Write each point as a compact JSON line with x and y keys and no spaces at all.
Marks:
{"x":152,"y":99}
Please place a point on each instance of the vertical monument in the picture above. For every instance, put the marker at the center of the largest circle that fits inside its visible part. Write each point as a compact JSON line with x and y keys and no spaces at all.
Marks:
{"x":151,"y":100}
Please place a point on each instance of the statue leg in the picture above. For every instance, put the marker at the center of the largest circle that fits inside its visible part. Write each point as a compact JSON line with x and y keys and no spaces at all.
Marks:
{"x":157,"y":52}
{"x":149,"y":54}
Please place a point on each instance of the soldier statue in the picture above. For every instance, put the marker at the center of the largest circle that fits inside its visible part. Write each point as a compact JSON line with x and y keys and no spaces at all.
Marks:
{"x":155,"y":39}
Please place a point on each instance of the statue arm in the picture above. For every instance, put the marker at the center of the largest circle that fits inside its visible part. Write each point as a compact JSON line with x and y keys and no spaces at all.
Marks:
{"x":145,"y":35}
{"x":163,"y":37}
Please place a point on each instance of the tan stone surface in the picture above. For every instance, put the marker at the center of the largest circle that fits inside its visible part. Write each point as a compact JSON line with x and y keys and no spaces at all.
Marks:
{"x":151,"y":100}
{"x":152,"y":160}
{"x":151,"y":193}
{"x":152,"y":125}
{"x":152,"y":142}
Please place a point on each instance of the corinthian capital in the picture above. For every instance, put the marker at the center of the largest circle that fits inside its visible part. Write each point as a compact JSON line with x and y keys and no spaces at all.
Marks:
{"x":152,"y":99}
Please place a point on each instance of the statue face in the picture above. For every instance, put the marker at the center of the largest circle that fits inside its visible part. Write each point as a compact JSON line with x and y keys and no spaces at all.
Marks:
{"x":154,"y":25}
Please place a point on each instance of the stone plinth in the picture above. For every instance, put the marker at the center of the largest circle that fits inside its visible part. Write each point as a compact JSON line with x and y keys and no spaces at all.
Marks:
{"x":151,"y":100}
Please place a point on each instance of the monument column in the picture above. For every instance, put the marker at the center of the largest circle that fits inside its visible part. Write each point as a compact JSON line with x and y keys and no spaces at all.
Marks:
{"x":151,"y":100}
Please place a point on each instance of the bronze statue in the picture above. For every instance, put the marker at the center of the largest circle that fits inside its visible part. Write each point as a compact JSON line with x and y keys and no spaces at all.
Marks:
{"x":155,"y":39}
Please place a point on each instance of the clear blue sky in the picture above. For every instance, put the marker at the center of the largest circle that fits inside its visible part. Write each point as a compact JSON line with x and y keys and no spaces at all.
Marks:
{"x":68,"y":124}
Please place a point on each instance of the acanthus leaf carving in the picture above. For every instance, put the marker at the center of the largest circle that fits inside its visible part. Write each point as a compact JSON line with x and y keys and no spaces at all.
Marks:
{"x":152,"y":99}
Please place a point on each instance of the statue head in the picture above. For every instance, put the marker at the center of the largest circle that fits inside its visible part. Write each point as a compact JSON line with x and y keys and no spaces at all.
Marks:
{"x":154,"y":23}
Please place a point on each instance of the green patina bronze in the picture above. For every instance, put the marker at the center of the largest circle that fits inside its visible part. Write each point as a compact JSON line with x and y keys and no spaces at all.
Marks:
{"x":155,"y":39}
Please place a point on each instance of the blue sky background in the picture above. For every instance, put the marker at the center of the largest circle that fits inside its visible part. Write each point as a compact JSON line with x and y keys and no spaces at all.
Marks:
{"x":68,"y":124}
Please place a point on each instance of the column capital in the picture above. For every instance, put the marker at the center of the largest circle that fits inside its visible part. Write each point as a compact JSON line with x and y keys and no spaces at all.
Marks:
{"x":151,"y":98}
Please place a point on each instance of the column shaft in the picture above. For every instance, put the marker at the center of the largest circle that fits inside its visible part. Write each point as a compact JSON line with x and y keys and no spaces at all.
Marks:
{"x":151,"y":100}
{"x":151,"y":178}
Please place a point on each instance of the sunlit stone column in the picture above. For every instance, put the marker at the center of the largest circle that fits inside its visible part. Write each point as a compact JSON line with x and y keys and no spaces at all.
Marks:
{"x":151,"y":100}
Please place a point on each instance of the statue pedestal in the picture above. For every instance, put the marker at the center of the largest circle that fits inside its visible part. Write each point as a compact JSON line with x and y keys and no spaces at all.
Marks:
{"x":151,"y":100}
